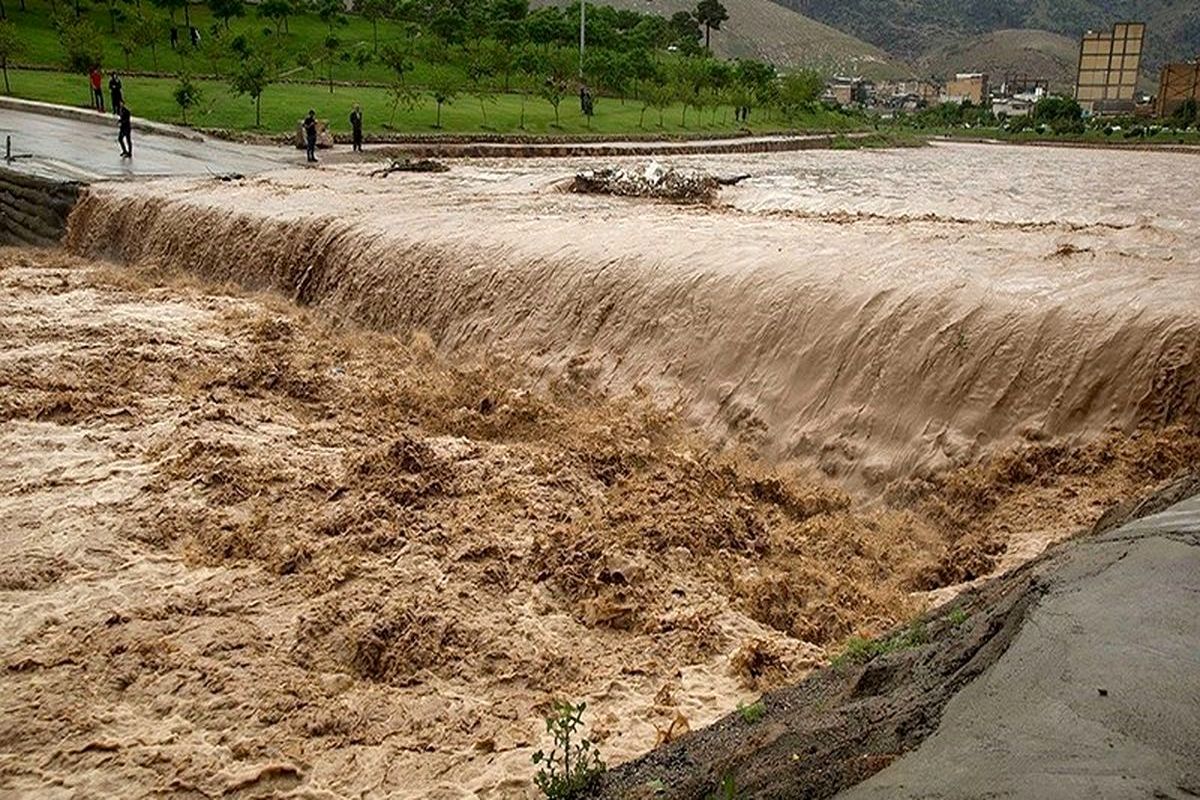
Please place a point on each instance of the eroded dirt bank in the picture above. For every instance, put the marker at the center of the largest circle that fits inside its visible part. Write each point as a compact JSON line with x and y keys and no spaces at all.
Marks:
{"x":248,"y":550}
{"x":876,"y":315}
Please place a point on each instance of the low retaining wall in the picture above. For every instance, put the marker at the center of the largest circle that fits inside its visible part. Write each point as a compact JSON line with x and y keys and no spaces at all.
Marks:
{"x":33,"y":210}
{"x":434,"y":149}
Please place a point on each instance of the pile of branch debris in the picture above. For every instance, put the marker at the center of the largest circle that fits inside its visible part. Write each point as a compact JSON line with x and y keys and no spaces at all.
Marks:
{"x":651,"y":180}
{"x":410,"y":165}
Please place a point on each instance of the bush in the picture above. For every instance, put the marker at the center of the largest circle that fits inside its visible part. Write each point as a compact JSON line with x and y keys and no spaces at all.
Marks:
{"x":572,"y":768}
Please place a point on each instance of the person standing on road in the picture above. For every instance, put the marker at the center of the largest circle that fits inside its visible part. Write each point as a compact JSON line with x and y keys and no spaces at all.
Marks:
{"x":310,"y":134}
{"x":114,"y":89}
{"x":356,"y":127}
{"x":125,"y":130}
{"x":97,"y":92}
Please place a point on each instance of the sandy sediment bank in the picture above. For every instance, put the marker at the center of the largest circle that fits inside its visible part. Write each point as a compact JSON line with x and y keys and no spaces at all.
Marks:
{"x":874,"y":345}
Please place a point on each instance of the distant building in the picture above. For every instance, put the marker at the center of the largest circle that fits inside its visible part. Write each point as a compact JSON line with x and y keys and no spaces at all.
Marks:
{"x":1015,"y":85}
{"x":967,"y":86}
{"x":1013,"y":107}
{"x":908,"y":95}
{"x":847,"y":91}
{"x":1177,"y":84}
{"x":1108,"y":69}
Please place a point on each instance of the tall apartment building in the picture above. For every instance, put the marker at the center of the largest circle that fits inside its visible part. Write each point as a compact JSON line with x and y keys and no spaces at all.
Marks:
{"x":1108,"y":68}
{"x":1177,"y":84}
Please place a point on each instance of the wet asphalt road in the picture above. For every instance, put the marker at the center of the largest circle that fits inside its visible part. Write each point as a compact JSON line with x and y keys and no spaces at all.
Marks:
{"x":87,"y":151}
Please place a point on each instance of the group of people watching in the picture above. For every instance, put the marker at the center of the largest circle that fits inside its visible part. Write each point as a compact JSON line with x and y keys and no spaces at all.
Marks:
{"x":116,"y":93}
{"x":312,"y":128}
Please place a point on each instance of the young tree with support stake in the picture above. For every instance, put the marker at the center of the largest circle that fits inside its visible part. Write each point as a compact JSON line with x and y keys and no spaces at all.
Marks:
{"x":254,"y":74}
{"x":187,"y":95}
{"x":444,"y":85}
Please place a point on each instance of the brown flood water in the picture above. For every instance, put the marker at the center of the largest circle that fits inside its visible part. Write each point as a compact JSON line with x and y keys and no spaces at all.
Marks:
{"x":356,"y":549}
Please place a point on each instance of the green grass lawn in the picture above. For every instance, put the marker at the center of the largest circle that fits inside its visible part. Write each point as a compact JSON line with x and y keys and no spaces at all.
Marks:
{"x":306,"y":32}
{"x":284,"y":104}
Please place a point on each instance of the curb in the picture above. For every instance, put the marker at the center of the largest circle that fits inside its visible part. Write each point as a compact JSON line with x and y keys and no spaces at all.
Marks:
{"x":96,"y":118}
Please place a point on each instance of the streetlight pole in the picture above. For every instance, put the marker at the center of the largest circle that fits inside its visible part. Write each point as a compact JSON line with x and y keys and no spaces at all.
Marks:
{"x":582,"y":34}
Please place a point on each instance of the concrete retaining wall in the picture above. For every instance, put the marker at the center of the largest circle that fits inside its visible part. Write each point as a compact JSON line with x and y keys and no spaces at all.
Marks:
{"x":33,"y":210}
{"x":436,"y":149}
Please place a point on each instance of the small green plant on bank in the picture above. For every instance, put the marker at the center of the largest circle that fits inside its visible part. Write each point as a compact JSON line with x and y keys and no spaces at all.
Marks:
{"x":727,"y":790}
{"x":752,"y":713}
{"x":573,"y":766}
{"x":957,"y":616}
{"x":860,"y":651}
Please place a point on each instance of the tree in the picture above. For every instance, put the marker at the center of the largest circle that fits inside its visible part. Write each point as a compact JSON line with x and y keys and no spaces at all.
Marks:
{"x":187,"y":95}
{"x":373,"y":11}
{"x":482,"y":65}
{"x":685,"y":31}
{"x":547,"y":26}
{"x":146,"y":28}
{"x":557,"y":68}
{"x":1060,"y":114}
{"x":332,"y":13}
{"x":11,"y":46}
{"x":398,"y":59}
{"x":798,"y":91}
{"x":225,"y":10}
{"x":658,"y":94}
{"x":170,"y":6}
{"x":710,"y":14}
{"x":277,"y":11}
{"x":444,"y":85}
{"x":82,"y":46}
{"x":252,"y":77}
{"x":1188,"y":113}
{"x":114,"y":11}
{"x":332,"y":46}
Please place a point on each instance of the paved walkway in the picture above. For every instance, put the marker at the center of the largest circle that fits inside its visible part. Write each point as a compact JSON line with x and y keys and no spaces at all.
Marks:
{"x":1098,"y":696}
{"x":74,"y":149}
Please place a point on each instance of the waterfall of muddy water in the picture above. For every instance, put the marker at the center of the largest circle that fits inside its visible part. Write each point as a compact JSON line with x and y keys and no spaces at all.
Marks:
{"x":882,"y":313}
{"x":249,"y":551}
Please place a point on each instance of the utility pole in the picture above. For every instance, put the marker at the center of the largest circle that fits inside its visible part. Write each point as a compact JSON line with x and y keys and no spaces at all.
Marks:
{"x":582,"y":34}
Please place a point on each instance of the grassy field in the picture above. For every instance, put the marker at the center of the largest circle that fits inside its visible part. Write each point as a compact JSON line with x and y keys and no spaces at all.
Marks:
{"x":284,"y":104}
{"x":42,"y":47}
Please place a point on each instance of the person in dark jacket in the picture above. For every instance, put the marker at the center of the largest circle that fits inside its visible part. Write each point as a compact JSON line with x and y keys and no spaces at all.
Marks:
{"x":310,"y":134}
{"x":125,"y":128}
{"x":115,"y":90}
{"x":356,"y":127}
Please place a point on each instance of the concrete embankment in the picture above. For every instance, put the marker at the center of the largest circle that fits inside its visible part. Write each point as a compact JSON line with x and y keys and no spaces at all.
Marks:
{"x":1074,"y":677}
{"x":34,"y":210}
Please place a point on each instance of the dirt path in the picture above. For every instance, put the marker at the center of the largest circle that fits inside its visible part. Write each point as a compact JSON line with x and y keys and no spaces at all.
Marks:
{"x":247,"y":551}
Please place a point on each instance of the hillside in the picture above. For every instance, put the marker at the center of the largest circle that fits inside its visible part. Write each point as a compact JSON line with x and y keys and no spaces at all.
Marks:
{"x":910,"y":29}
{"x":766,"y":31}
{"x":1036,"y":53}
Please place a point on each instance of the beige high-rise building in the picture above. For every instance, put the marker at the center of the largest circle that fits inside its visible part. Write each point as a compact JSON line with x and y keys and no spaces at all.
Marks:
{"x":1108,"y":68}
{"x":1178,"y":84}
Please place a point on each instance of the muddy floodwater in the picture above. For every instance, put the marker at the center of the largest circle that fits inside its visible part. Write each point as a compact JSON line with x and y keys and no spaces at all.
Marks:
{"x":320,"y":485}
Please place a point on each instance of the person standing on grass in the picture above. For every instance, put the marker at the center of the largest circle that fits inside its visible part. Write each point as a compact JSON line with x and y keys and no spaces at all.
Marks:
{"x":174,"y":37}
{"x":125,"y":130}
{"x":97,"y":92}
{"x":310,"y":135}
{"x":114,"y":89}
{"x":356,"y":127}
